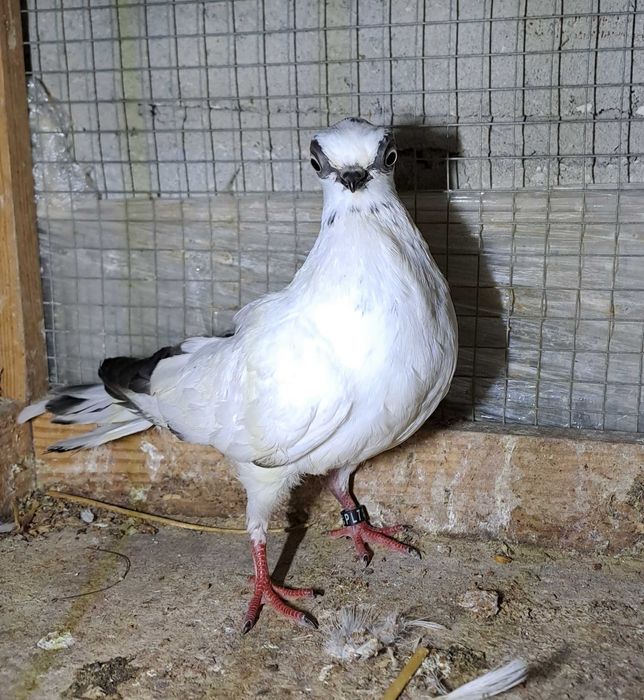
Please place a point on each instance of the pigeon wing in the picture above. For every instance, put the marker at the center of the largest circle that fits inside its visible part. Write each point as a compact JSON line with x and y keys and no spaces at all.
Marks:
{"x":269,"y":400}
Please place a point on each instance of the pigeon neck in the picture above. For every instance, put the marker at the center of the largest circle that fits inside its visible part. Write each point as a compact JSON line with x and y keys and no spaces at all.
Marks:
{"x":367,"y":239}
{"x":341,"y":202}
{"x":366,"y":217}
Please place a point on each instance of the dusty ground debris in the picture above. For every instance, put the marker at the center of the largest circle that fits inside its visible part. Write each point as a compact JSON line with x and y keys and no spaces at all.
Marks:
{"x":56,"y":640}
{"x":171,"y":628}
{"x":482,"y":603}
{"x":101,"y":679}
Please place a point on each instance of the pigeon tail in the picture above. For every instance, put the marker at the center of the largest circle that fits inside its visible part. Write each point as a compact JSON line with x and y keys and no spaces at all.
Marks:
{"x":101,"y":435}
{"x":88,"y":404}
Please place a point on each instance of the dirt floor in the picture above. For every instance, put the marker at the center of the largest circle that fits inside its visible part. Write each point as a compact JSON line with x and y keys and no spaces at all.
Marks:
{"x":170,"y":628}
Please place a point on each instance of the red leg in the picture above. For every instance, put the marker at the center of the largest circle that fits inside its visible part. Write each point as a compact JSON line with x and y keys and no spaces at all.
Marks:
{"x":267,"y":593}
{"x":286,"y":592}
{"x":362,"y":533}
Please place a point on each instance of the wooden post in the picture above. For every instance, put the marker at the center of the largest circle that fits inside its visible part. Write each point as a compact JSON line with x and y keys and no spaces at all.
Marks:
{"x":23,"y":367}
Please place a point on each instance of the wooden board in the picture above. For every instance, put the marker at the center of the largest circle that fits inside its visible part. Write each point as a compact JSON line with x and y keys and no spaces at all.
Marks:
{"x":572,"y":489}
{"x":23,"y":368}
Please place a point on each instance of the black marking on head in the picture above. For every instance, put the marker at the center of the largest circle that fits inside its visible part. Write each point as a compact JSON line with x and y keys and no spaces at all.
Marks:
{"x":384,"y":160}
{"x":386,"y":148}
{"x":355,"y":210}
{"x":374,"y":208}
{"x":331,"y":219}
{"x":121,"y":374}
{"x":319,"y":161}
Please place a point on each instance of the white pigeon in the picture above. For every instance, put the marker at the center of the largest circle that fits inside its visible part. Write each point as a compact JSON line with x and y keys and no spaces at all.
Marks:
{"x":347,"y":361}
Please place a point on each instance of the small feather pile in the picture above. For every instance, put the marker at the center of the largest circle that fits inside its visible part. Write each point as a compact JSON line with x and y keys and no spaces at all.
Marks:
{"x":357,"y":633}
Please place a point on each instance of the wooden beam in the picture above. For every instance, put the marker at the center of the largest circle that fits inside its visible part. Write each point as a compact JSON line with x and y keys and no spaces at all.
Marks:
{"x":573,"y":488}
{"x":23,"y":366}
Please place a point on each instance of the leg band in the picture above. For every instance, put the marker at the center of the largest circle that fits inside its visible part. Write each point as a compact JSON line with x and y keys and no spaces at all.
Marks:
{"x":354,"y":516}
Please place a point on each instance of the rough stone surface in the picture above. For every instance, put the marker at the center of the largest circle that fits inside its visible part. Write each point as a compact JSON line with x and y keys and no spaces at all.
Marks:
{"x":171,"y":628}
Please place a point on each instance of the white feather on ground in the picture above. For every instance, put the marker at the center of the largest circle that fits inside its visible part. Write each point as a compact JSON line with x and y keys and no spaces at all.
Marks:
{"x":425,"y":624}
{"x":493,"y":682}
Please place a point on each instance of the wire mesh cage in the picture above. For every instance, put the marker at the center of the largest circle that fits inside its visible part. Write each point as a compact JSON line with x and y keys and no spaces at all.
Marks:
{"x":179,"y":187}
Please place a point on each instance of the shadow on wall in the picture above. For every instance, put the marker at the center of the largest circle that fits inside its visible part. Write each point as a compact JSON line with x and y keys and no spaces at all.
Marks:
{"x":452,"y":226}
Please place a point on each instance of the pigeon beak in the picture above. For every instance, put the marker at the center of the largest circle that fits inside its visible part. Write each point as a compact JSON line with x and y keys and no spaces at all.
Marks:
{"x":354,"y":179}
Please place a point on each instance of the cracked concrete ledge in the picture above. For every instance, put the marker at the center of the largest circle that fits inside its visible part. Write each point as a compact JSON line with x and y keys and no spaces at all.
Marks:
{"x":572,"y":489}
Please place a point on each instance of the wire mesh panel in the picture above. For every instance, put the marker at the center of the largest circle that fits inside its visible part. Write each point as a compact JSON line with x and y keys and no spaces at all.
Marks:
{"x":521,"y":134}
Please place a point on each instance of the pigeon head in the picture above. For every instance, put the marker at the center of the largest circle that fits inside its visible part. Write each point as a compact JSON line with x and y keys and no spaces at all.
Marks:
{"x":353,"y":153}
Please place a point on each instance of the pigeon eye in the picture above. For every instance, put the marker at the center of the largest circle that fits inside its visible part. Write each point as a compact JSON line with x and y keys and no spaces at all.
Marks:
{"x":391,"y":158}
{"x":315,"y":164}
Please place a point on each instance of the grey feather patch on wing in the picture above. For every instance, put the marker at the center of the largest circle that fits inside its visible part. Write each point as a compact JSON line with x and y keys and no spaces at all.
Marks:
{"x":275,"y":459}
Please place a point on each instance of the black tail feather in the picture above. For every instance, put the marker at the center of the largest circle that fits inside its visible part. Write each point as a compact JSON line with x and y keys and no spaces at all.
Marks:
{"x":68,"y":399}
{"x":63,"y":404}
{"x":121,"y":374}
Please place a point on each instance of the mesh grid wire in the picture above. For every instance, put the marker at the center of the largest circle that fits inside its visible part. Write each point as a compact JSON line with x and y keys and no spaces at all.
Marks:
{"x":521,"y":133}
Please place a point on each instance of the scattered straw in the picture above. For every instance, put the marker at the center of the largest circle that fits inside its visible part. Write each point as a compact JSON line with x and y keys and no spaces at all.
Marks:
{"x":407,"y":673}
{"x":15,"y":512}
{"x":160,"y":519}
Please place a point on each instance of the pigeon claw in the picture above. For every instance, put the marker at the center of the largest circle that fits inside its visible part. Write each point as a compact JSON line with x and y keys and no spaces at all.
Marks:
{"x":363,"y":534}
{"x":309,"y":621}
{"x":248,"y":626}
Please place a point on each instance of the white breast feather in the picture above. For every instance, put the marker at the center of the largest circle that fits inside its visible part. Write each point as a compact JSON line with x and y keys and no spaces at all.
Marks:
{"x":345,"y":362}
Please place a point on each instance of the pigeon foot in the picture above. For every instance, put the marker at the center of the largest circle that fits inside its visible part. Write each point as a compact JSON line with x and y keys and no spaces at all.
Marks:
{"x":268,"y":593}
{"x":363,"y":533}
